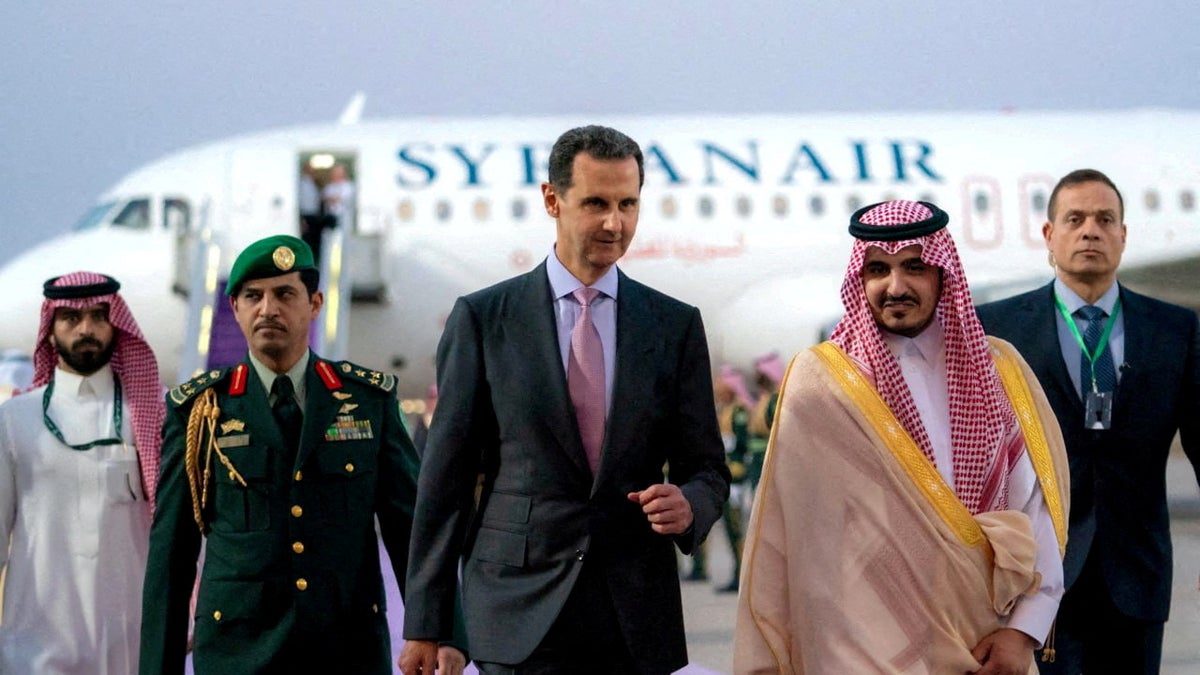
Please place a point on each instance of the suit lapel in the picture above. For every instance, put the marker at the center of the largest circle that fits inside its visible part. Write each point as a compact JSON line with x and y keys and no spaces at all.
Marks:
{"x":531,"y":324}
{"x":637,"y":342}
{"x":1139,"y":327}
{"x":1048,"y":358}
{"x":320,"y":407}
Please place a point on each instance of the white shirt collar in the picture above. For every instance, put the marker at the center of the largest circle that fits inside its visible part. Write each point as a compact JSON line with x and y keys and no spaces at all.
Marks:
{"x":563,"y":283}
{"x":1073,"y":302}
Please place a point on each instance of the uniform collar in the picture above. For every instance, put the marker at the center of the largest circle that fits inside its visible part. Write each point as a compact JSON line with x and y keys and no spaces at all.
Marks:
{"x":295,"y":374}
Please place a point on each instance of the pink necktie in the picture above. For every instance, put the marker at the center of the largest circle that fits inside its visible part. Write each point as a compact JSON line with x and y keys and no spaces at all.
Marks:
{"x":585,"y":377}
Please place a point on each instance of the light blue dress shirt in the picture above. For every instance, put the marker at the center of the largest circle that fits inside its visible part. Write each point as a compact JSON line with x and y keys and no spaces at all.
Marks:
{"x":1070,"y":348}
{"x":604,"y":315}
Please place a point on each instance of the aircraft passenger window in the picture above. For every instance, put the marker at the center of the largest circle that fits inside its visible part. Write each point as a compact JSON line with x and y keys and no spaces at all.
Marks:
{"x":405,"y":210}
{"x":706,"y":207}
{"x":177,"y":215}
{"x":743,"y":206}
{"x":442,"y":210}
{"x":481,"y":209}
{"x":135,"y":215}
{"x":780,"y":205}
{"x":94,"y":216}
{"x":669,"y":207}
{"x":816,"y":205}
{"x":853,"y":203}
{"x":1187,"y":200}
{"x":1152,"y":200}
{"x":1037,"y":202}
{"x":981,"y":202}
{"x":518,"y":209}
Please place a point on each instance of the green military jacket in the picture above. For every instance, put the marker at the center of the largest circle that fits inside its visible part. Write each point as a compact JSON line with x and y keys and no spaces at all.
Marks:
{"x":291,"y":573}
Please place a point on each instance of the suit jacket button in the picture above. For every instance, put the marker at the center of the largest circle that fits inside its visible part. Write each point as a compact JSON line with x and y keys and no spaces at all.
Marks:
{"x":297,"y":511}
{"x":349,"y":468}
{"x":298,"y":547}
{"x":579,"y":555}
{"x":217,"y":615}
{"x":299,"y":476}
{"x":301,"y":584}
{"x":375,"y":608}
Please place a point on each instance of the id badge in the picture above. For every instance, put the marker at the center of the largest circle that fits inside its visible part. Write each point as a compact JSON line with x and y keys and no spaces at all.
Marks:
{"x":1098,"y":410}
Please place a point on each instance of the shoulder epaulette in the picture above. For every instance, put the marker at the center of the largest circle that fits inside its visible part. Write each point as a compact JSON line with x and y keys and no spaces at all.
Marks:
{"x":186,"y":391}
{"x":384,"y":381}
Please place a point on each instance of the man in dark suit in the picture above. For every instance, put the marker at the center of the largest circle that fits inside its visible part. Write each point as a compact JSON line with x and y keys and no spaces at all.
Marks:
{"x":567,"y":389}
{"x":284,"y":462}
{"x":1121,"y":381}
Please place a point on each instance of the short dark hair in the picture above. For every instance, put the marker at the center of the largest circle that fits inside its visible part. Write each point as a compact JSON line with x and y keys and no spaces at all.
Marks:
{"x":1078,"y":177}
{"x":600,"y":143}
{"x":310,"y":277}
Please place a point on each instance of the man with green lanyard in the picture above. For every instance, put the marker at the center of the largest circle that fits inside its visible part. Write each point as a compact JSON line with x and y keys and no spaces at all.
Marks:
{"x":1121,"y":372}
{"x":78,"y":464}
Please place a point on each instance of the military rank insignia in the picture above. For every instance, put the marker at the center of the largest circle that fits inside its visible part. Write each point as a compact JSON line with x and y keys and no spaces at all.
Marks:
{"x":346,"y":428}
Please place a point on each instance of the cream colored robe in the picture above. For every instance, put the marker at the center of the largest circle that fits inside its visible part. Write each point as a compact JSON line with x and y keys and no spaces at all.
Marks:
{"x":859,"y":558}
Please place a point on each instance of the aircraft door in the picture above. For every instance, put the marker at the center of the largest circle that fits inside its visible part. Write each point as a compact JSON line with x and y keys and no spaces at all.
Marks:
{"x":177,"y":222}
{"x":328,"y":209}
{"x":983,"y":227}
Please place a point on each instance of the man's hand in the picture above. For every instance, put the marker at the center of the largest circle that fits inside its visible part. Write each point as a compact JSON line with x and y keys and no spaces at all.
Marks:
{"x":418,"y":656}
{"x":665,"y":507}
{"x":1007,"y":651}
{"x":450,"y":661}
{"x":423,"y":657}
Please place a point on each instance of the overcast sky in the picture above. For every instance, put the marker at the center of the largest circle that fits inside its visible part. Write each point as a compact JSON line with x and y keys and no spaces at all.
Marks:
{"x":90,"y":91}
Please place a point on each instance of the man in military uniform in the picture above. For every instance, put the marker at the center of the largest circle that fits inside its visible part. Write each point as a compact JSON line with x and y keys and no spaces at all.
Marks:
{"x":284,"y":462}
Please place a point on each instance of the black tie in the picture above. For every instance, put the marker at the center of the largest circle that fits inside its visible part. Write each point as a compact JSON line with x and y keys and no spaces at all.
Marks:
{"x":287,"y":411}
{"x":1106,"y":375}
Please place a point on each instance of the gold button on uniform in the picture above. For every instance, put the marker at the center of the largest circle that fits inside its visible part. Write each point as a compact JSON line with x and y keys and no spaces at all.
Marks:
{"x":298,"y":547}
{"x":301,"y":584}
{"x":349,"y":468}
{"x":299,"y":476}
{"x":217,"y":615}
{"x":297,"y":511}
{"x":375,"y":608}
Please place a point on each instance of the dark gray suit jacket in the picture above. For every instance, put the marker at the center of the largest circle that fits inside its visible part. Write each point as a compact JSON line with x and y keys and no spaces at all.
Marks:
{"x":504,"y":413}
{"x":1118,"y":491}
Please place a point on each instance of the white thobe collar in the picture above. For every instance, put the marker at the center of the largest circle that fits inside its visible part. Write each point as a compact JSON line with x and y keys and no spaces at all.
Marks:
{"x":98,"y":385}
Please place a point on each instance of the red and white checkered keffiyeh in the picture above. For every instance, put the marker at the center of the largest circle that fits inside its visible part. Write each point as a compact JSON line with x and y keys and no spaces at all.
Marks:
{"x":984,"y":431}
{"x":133,"y":364}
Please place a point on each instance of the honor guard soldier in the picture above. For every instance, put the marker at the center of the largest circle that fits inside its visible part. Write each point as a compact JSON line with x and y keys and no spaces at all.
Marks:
{"x":284,"y":462}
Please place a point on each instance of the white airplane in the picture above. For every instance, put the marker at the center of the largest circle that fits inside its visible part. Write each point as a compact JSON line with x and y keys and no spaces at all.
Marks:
{"x":743,"y":216}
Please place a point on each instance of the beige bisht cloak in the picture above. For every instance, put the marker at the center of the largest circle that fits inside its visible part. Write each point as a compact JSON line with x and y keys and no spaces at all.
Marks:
{"x":859,"y":557}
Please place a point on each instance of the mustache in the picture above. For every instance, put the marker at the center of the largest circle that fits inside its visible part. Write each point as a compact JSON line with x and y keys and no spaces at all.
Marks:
{"x":270,"y":324}
{"x":900,"y":298}
{"x":87,"y":341}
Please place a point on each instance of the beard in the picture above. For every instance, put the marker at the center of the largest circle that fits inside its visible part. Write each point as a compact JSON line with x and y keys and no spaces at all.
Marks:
{"x":86,"y":362}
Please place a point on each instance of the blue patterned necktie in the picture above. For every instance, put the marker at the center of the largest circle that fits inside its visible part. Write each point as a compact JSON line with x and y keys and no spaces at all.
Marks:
{"x":1106,"y":374}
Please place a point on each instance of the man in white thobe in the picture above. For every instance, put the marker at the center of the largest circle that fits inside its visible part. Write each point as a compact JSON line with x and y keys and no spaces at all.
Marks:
{"x":78,"y":464}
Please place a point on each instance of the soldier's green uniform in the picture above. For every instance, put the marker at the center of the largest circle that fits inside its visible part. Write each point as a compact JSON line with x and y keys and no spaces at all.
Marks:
{"x":291,"y":578}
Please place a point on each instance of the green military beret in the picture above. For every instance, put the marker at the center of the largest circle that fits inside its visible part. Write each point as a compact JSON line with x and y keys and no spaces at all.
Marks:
{"x":270,"y":257}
